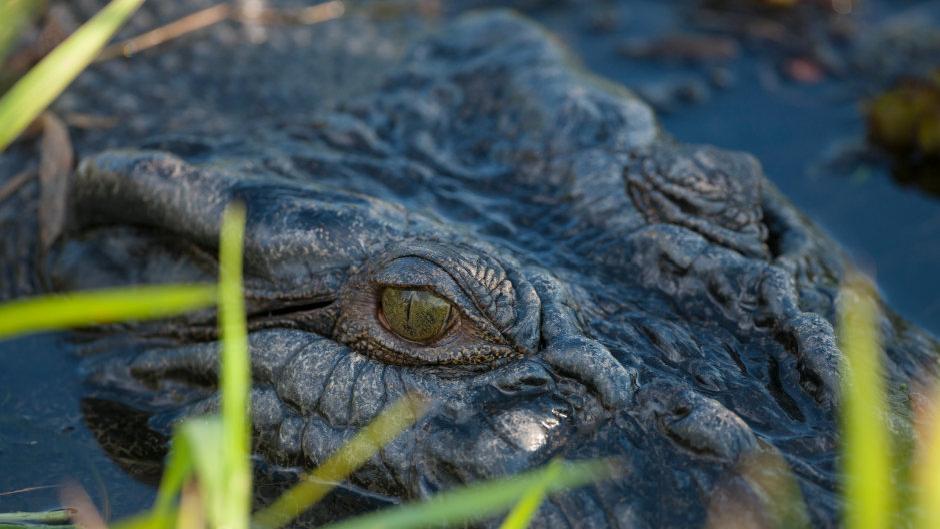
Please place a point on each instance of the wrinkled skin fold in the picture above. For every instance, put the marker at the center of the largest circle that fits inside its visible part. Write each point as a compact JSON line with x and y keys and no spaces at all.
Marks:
{"x":612,"y":293}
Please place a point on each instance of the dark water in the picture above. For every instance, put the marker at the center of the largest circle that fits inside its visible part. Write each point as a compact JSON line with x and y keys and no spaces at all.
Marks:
{"x":43,"y":441}
{"x":892,"y":231}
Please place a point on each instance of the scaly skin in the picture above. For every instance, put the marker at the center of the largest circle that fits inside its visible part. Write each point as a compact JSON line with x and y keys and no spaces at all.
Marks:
{"x":617,"y":294}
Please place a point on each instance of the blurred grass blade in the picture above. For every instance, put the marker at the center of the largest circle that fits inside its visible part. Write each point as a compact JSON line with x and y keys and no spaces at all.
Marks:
{"x":866,"y":447}
{"x":45,"y":81}
{"x":13,"y":14}
{"x":235,"y":443}
{"x":57,"y":516}
{"x":195,"y":453}
{"x":215,"y":450}
{"x":102,"y":306}
{"x":4,"y":525}
{"x":367,"y":442}
{"x":192,"y":512}
{"x":928,"y":468}
{"x":479,"y":501}
{"x":522,"y":513}
{"x":775,"y":493}
{"x":205,"y":441}
{"x":145,"y":520}
{"x":179,"y":466}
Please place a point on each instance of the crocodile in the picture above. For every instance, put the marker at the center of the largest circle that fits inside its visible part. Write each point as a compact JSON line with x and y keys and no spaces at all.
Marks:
{"x":514,"y":239}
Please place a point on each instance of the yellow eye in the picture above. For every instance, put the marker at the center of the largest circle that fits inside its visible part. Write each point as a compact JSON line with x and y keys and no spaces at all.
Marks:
{"x":415,"y":315}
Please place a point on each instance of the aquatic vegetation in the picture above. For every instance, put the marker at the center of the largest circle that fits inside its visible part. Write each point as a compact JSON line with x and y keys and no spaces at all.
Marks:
{"x":906,"y":117}
{"x":904,"y":121}
{"x":44,"y":82}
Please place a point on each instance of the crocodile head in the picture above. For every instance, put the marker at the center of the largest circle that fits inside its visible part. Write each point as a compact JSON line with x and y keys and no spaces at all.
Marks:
{"x":512,"y":239}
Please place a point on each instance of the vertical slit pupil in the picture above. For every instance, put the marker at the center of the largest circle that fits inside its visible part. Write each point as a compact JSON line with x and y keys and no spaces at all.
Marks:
{"x":416,"y":315}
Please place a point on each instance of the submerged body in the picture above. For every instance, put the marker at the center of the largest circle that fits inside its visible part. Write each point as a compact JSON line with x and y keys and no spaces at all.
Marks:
{"x":513,"y":239}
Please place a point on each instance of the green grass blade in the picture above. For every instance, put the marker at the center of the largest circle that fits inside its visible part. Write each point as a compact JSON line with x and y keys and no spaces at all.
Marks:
{"x":146,"y":520}
{"x":57,"y":516}
{"x":56,"y":312}
{"x":206,"y":441}
{"x":179,"y":467}
{"x":13,"y":13}
{"x":195,"y":455}
{"x":521,"y":515}
{"x":865,"y":438}
{"x":477,"y":502}
{"x":215,"y":450}
{"x":42,"y":84}
{"x":235,"y":375}
{"x":928,"y":471}
{"x":367,"y":442}
{"x":4,"y":525}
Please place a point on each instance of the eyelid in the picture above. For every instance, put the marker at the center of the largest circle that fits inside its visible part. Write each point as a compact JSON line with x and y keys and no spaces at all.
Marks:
{"x":421,"y":274}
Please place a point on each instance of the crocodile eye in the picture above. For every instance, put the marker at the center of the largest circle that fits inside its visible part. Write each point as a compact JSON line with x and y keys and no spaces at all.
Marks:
{"x":415,"y":315}
{"x":430,"y":304}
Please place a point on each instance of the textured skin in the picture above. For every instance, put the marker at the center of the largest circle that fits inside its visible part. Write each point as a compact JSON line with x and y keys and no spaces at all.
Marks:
{"x":620,"y":295}
{"x":714,"y":193}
